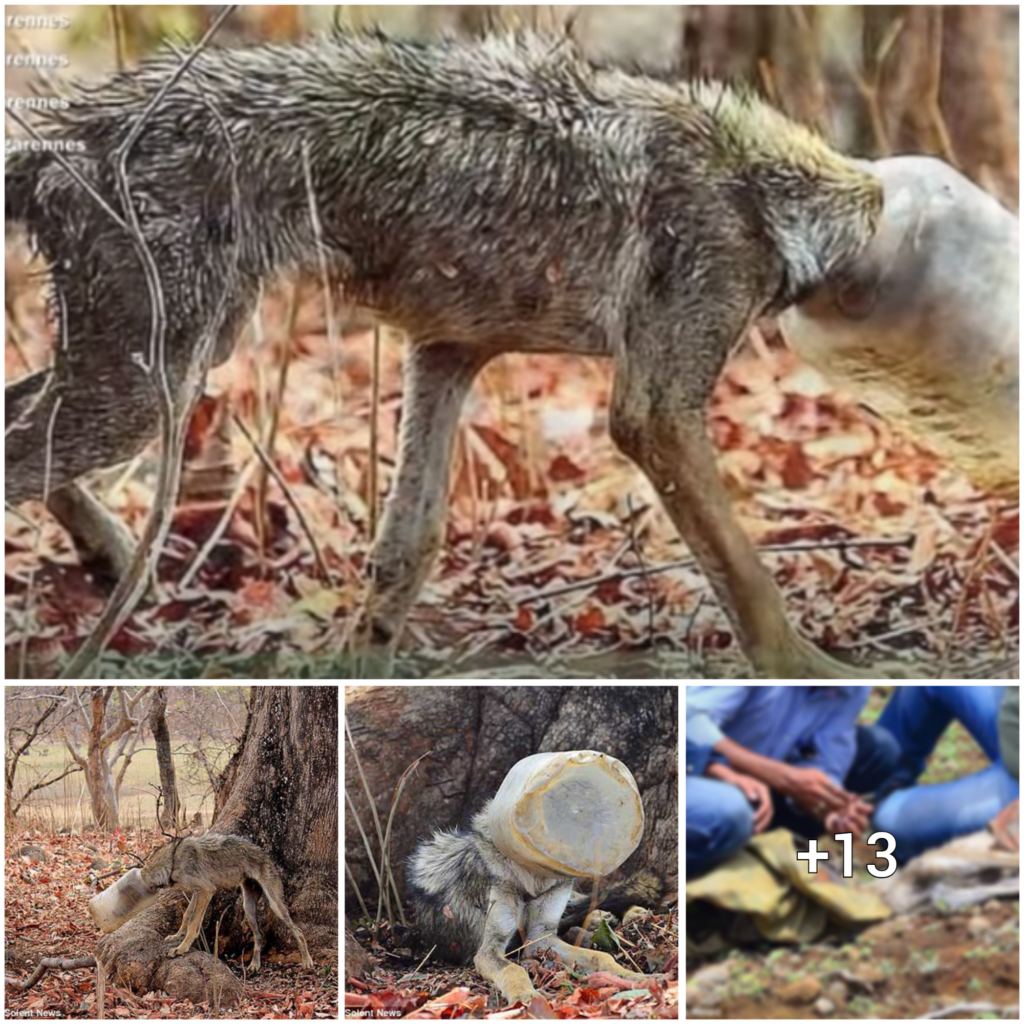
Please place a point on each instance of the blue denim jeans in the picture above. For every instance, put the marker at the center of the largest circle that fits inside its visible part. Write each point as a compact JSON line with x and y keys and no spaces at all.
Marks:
{"x":720,"y":821}
{"x":923,"y":817}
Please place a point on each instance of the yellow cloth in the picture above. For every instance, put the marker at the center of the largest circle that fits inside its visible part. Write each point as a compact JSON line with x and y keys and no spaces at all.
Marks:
{"x":784,"y":900}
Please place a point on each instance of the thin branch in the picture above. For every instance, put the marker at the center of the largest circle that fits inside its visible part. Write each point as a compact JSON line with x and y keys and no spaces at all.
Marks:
{"x":57,"y":963}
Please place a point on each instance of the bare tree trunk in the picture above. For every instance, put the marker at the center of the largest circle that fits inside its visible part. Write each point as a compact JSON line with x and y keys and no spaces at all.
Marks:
{"x":102,"y":796}
{"x":223,"y":783}
{"x":162,"y":739}
{"x":284,"y":798}
{"x":942,"y":87}
{"x":979,"y":112}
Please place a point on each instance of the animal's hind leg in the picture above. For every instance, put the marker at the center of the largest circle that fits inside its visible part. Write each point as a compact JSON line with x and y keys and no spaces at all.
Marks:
{"x":104,"y":544}
{"x":437,"y":379}
{"x":274,"y":892}
{"x":84,"y":419}
{"x":186,"y":918}
{"x":250,"y":893}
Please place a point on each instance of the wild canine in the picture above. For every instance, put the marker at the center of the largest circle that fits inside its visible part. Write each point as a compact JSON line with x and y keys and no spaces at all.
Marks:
{"x":204,"y":864}
{"x":475,"y":904}
{"x":485,"y":197}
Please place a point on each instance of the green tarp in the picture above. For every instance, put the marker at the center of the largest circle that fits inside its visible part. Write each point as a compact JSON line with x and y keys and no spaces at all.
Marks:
{"x":784,"y":901}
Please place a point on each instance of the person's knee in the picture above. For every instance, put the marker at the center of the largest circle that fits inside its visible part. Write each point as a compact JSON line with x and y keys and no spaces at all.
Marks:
{"x":887,"y":750}
{"x":734,"y":824}
{"x":877,"y":760}
{"x":886,"y":815}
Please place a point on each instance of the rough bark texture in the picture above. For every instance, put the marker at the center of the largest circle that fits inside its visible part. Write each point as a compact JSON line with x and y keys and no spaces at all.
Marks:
{"x":223,"y":783}
{"x":478,"y":733}
{"x":356,"y":958}
{"x":162,"y":739}
{"x":136,"y":955}
{"x":285,"y":799}
{"x":102,"y":794}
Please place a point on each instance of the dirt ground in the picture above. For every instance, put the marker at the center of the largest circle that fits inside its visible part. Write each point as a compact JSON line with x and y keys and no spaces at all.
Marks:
{"x":896,"y":970}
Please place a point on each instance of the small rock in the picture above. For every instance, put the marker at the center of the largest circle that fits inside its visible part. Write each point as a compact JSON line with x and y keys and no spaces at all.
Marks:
{"x":33,"y":852}
{"x":709,"y":998}
{"x":710,"y":976}
{"x":870,"y":974}
{"x":978,"y":926}
{"x":803,"y":990}
{"x":837,"y":992}
{"x":991,"y":906}
{"x":99,"y":864}
{"x":824,"y":1007}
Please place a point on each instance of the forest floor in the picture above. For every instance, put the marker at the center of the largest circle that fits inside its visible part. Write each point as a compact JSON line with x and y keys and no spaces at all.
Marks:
{"x":423,"y":987}
{"x":47,"y":890}
{"x":899,"y":969}
{"x":558,"y":559}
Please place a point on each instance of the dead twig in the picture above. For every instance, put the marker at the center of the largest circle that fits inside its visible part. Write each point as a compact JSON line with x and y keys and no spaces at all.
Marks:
{"x":618,"y":575}
{"x":57,"y":963}
{"x":1007,"y":1012}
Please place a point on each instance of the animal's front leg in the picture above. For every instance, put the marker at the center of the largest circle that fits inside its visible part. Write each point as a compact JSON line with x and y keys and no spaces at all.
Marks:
{"x":185,"y":918}
{"x":437,"y":379}
{"x":503,"y":916}
{"x":545,"y":913}
{"x":658,"y":420}
{"x":593,"y":960}
{"x":202,"y":898}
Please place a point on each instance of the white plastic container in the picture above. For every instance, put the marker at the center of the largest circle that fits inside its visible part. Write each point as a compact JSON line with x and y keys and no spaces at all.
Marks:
{"x":575,"y":813}
{"x":122,"y":901}
{"x":924,"y":328}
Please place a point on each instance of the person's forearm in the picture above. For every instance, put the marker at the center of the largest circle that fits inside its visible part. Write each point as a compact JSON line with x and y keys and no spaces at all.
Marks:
{"x":771,"y":772}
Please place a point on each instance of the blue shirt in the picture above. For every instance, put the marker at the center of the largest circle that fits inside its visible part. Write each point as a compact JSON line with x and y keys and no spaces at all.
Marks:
{"x":807,"y":726}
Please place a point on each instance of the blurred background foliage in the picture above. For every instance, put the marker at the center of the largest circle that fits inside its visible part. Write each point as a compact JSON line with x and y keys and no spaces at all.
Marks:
{"x":876,"y":79}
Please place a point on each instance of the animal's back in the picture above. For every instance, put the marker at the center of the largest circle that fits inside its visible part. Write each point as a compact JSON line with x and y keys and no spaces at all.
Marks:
{"x":492,"y":191}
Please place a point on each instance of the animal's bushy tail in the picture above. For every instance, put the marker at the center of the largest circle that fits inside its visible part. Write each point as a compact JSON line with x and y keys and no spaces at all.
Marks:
{"x":643,"y":888}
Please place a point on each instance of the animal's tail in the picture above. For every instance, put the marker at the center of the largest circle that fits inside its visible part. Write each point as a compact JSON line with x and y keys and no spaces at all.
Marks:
{"x":644,"y":888}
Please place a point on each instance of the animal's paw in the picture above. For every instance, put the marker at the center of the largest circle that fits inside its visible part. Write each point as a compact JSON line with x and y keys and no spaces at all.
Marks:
{"x":181,"y":950}
{"x":173,"y":938}
{"x":307,"y":962}
{"x":254,"y":964}
{"x":519,"y":994}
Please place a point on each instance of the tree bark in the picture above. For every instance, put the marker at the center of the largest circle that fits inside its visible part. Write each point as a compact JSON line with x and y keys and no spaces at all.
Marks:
{"x":162,"y":739}
{"x":476,"y":733}
{"x":285,"y":799}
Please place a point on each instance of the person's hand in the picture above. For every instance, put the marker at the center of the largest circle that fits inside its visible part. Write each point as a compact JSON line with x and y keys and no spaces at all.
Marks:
{"x":814,"y":791}
{"x":756,"y":792}
{"x":854,"y":817}
{"x":1005,"y":826}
